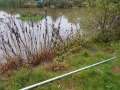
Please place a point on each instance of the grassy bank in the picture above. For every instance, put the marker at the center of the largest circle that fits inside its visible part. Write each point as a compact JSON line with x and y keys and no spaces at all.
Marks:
{"x":53,"y":58}
{"x":102,"y":77}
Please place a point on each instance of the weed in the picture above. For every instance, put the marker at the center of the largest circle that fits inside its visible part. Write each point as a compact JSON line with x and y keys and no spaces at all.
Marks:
{"x":2,"y":87}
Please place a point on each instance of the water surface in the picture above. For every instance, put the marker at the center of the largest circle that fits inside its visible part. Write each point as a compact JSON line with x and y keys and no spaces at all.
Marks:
{"x":57,"y":26}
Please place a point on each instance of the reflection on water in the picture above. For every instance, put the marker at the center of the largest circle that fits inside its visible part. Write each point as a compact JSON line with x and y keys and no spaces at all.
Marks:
{"x":23,"y":37}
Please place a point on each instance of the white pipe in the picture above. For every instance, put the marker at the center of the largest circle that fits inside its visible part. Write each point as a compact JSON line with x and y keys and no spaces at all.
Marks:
{"x":58,"y":77}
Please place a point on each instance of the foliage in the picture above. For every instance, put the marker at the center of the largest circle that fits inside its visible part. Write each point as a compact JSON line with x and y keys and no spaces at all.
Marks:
{"x":17,"y":3}
{"x":48,"y":3}
{"x":62,"y":3}
{"x":11,"y":3}
{"x":106,"y":18}
{"x":108,"y":36}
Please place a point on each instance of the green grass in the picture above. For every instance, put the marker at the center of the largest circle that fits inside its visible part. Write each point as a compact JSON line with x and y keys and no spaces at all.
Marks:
{"x":30,"y":17}
{"x":102,"y":77}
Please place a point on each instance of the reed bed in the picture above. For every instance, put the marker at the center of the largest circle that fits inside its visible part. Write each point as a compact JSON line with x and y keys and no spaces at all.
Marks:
{"x":26,"y":43}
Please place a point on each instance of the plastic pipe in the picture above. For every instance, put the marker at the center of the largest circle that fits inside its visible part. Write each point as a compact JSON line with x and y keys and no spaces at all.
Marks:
{"x":58,"y":77}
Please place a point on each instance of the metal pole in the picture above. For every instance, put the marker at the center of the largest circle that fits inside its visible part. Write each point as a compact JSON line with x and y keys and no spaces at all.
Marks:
{"x":58,"y":77}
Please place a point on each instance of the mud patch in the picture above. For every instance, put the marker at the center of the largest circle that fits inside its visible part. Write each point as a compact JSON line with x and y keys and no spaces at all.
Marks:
{"x":109,"y":50}
{"x":3,"y":78}
{"x":91,"y":49}
{"x":117,"y":70}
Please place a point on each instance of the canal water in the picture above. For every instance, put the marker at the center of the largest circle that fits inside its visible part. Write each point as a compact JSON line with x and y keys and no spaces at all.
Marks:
{"x":17,"y":36}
